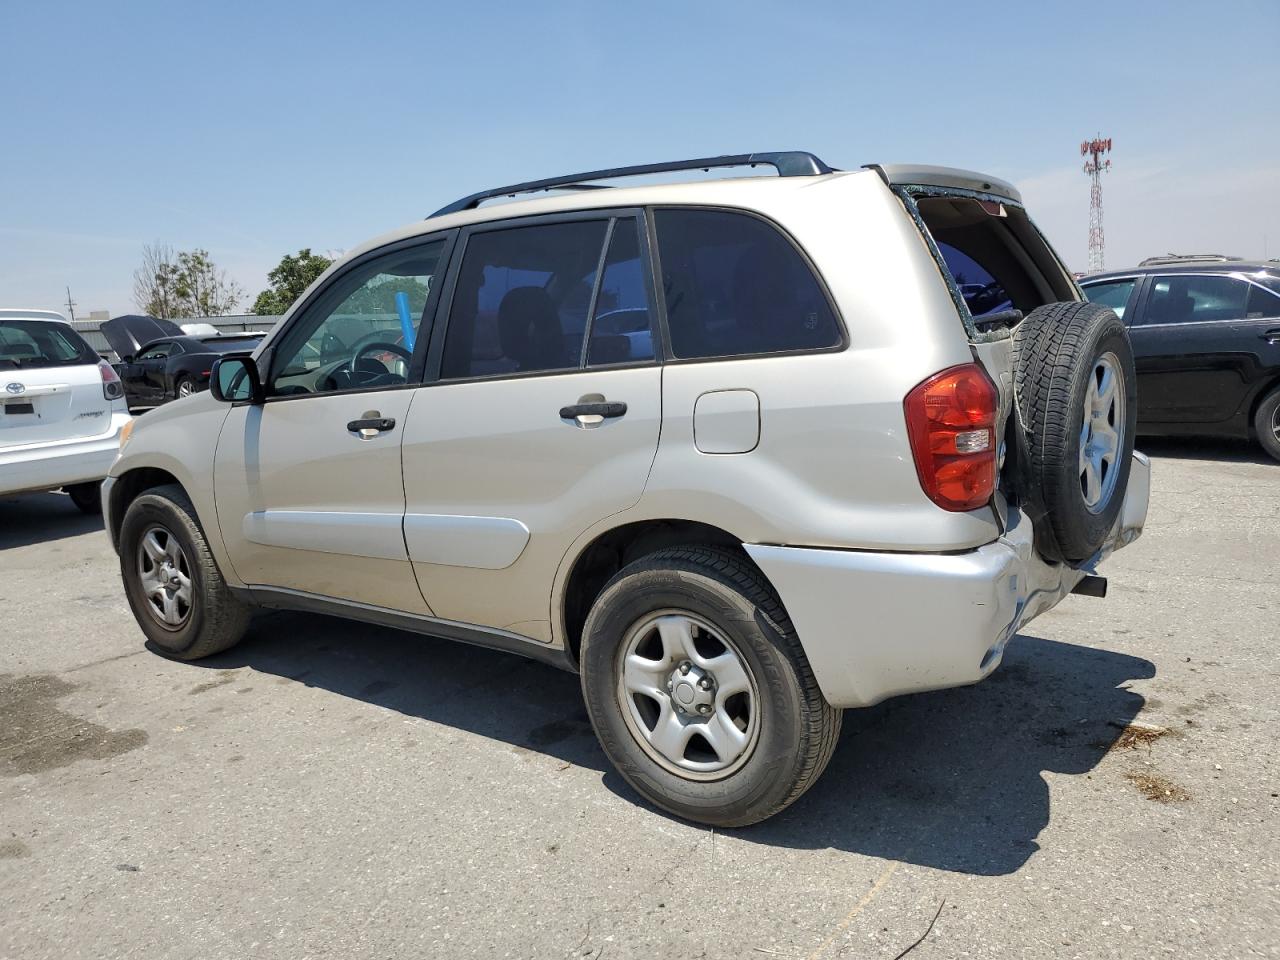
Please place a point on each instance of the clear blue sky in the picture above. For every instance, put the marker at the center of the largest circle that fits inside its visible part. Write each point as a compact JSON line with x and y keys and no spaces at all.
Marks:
{"x":253,"y":129}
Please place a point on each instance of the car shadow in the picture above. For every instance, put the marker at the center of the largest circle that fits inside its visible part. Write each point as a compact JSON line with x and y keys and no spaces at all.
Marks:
{"x":1205,"y":448}
{"x":951,"y":780}
{"x":28,"y":518}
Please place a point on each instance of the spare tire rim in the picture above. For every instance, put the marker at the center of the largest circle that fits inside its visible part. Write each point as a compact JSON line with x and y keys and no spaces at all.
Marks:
{"x":1102,"y":433}
{"x":164,"y":573}
{"x":687,"y":695}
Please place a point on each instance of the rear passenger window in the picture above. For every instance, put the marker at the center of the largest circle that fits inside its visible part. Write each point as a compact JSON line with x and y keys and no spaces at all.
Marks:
{"x":620,"y":328}
{"x":1183,"y":299}
{"x":1113,"y":294}
{"x":522,"y":299}
{"x":1262,"y":303}
{"x":735,"y":286}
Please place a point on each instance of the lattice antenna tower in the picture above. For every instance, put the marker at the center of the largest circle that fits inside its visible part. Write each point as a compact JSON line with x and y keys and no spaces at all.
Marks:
{"x":1095,"y":164}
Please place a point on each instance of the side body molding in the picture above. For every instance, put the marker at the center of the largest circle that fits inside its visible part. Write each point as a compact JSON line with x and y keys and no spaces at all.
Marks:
{"x":487,"y":543}
{"x":375,"y":535}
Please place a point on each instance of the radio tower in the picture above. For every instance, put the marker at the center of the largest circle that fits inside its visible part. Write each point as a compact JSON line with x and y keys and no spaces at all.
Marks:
{"x":1094,"y":166}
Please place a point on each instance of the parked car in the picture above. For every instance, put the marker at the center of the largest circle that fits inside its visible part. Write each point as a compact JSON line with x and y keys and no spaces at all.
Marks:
{"x":159,"y":363}
{"x":62,"y":409}
{"x":1206,"y":341}
{"x":801,"y":487}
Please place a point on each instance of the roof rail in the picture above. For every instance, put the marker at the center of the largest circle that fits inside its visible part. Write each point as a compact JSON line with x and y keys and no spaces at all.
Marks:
{"x":1187,"y":258}
{"x":793,"y":163}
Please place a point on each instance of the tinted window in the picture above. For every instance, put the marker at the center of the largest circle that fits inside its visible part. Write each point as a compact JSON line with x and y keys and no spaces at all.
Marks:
{"x":982,"y":293}
{"x":1113,"y":294}
{"x":620,"y":328}
{"x":734,"y":285}
{"x":1262,"y":303}
{"x":522,"y":298}
{"x":1182,"y":299}
{"x":361,"y":333}
{"x":28,"y":344}
{"x":158,"y":352}
{"x":232,"y":344}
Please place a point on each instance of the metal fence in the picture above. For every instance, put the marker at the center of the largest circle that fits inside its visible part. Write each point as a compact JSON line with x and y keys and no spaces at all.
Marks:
{"x":241,"y":323}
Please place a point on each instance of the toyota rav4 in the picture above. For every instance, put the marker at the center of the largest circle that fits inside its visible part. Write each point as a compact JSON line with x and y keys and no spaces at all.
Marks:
{"x":742,"y":452}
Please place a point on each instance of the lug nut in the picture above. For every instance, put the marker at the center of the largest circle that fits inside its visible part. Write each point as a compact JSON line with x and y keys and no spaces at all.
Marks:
{"x":704,"y":708}
{"x":684,"y":667}
{"x":705,"y":683}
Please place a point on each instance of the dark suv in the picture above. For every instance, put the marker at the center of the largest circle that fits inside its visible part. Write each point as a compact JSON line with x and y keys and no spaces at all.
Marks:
{"x":1206,"y":338}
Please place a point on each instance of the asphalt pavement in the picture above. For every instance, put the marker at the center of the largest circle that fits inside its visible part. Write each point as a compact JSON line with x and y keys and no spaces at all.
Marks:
{"x":328,"y":789}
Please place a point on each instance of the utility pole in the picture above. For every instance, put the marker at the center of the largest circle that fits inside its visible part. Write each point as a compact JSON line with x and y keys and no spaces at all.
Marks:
{"x":71,"y":305}
{"x":1095,"y":166}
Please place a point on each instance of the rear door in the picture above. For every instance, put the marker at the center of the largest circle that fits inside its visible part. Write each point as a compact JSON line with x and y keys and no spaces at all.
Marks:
{"x":543,"y":418}
{"x":50,"y":385}
{"x":1195,"y":352}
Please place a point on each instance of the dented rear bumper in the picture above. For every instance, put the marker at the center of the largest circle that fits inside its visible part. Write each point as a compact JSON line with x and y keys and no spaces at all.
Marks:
{"x":875,"y":625}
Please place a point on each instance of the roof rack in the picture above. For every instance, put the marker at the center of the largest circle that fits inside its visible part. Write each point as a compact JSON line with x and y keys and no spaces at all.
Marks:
{"x":1187,"y":258}
{"x":793,"y":163}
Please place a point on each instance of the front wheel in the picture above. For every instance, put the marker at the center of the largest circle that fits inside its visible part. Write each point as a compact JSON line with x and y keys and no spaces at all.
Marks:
{"x":172,"y":582}
{"x":699,"y":690}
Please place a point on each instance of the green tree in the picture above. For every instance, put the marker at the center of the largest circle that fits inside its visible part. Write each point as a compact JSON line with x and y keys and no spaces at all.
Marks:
{"x":288,"y":281}
{"x":174,"y":285}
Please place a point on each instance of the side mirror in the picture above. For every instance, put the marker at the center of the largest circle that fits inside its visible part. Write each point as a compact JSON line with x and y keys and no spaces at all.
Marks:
{"x":235,"y":380}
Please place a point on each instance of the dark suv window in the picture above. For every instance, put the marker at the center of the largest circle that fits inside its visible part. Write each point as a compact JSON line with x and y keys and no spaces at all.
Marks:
{"x":1262,"y":304}
{"x":736,"y":286}
{"x":522,"y":299}
{"x":1111,"y":293}
{"x":1183,"y":299}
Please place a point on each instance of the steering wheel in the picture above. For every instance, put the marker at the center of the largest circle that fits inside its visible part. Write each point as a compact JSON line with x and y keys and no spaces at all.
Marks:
{"x":366,"y":377}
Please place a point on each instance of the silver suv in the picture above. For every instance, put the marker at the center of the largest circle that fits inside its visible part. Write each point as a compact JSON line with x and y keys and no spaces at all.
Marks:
{"x":743,"y":452}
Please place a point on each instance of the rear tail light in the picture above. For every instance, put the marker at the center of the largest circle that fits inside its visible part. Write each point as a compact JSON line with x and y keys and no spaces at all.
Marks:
{"x":951,"y":420}
{"x":112,"y":388}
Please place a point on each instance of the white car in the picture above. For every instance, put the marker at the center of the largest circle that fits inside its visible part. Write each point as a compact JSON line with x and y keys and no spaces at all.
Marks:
{"x":61,"y":409}
{"x":738,"y":451}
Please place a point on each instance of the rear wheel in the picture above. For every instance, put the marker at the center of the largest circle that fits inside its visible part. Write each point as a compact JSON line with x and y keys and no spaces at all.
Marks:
{"x":1266,"y":423}
{"x":699,"y":690}
{"x":184,"y":387}
{"x":1076,"y":398}
{"x":87,"y":496}
{"x":172,"y":582}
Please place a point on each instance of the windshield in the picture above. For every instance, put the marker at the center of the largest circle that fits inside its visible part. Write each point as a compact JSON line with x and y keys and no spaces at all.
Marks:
{"x":231,"y":344}
{"x":30,"y":344}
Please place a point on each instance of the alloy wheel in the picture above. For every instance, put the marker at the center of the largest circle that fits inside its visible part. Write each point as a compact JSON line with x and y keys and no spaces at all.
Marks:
{"x":1102,"y":432}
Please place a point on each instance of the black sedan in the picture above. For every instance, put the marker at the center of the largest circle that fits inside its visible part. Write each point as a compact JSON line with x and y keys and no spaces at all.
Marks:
{"x":158,"y":362}
{"x":1206,"y":340}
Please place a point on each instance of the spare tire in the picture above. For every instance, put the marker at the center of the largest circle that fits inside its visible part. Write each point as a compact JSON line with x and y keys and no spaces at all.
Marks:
{"x":1076,"y":406}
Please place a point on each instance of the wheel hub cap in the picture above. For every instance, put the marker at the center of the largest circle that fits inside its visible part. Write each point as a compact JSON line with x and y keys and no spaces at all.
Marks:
{"x":687,"y":696}
{"x":165,"y":577}
{"x":692,"y":690}
{"x":1102,"y":433}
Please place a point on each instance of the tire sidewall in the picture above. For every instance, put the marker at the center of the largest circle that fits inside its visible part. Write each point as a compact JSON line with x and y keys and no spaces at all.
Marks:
{"x":1262,"y":424}
{"x":1056,"y":348}
{"x":779,"y":704}
{"x":1080,"y":531}
{"x":145,"y":511}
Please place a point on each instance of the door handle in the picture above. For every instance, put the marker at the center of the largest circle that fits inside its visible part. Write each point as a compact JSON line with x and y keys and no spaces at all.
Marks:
{"x":371,"y":425}
{"x":1271,"y":336}
{"x":605,"y":409}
